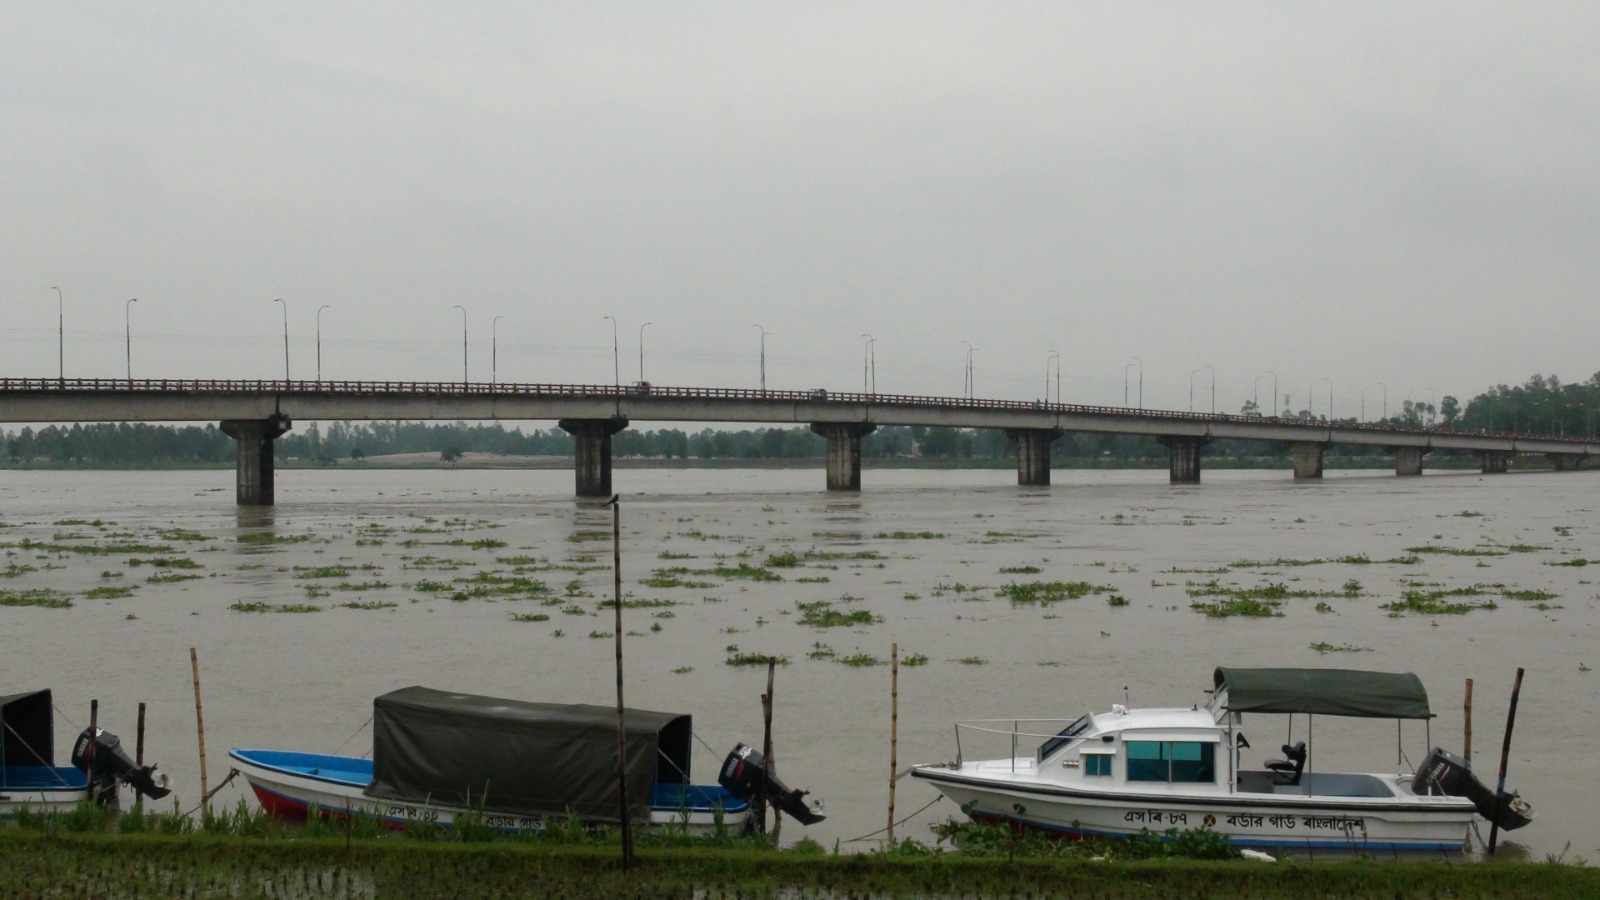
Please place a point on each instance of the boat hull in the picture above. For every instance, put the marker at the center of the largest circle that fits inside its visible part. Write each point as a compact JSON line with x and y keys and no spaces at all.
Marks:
{"x":42,"y":789}
{"x":1418,"y":824}
{"x":291,"y":797}
{"x":41,"y":801}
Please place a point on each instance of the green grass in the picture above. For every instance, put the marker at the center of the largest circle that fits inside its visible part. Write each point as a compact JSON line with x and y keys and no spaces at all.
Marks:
{"x":40,"y":597}
{"x":1047,"y":592}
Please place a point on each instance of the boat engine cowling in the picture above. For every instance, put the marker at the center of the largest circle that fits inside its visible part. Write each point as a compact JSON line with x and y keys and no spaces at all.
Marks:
{"x":744,"y":774}
{"x":98,"y":754}
{"x":1448,"y":773}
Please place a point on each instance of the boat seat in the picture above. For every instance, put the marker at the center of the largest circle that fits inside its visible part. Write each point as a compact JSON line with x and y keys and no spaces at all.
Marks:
{"x":1288,"y":769}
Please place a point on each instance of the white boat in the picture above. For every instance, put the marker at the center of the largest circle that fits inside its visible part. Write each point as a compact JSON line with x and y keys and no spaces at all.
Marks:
{"x":516,"y":765}
{"x":29,"y":777}
{"x":1127,"y":771}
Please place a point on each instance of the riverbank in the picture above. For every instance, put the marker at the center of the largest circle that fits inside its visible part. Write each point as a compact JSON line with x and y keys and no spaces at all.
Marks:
{"x":151,"y":865}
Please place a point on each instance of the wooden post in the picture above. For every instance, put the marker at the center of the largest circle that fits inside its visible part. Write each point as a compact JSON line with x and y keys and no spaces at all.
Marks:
{"x":88,"y":751}
{"x":772,"y":766}
{"x":1505,"y":754}
{"x":622,"y":731}
{"x":767,"y":737}
{"x":200,"y":729}
{"x":1466,"y":727}
{"x":894,"y":727}
{"x":138,"y":754}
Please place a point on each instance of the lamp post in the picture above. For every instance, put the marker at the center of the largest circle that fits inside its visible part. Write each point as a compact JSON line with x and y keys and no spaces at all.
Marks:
{"x":616,"y":352}
{"x":1054,"y":355}
{"x":61,"y":336}
{"x":972,"y":372}
{"x":966,"y":371}
{"x":1330,"y":398}
{"x":318,"y":318}
{"x":127,"y":333}
{"x":285,"y":308}
{"x":641,"y":350}
{"x":1192,"y":373}
{"x":1213,"y":386}
{"x":868,"y":368}
{"x":494,"y":350}
{"x":464,"y":381}
{"x":764,"y":333}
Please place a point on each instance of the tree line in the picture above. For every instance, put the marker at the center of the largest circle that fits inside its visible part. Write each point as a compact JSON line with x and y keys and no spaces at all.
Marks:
{"x":1542,"y":404}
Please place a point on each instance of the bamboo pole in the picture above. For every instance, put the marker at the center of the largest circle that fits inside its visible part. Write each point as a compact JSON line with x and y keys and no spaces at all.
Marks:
{"x":767,"y":739}
{"x":89,"y":749}
{"x":138,"y":754}
{"x":1505,"y":755}
{"x":894,"y":727}
{"x":772,"y":765}
{"x":200,"y":729}
{"x":622,"y":732}
{"x":1466,"y":729}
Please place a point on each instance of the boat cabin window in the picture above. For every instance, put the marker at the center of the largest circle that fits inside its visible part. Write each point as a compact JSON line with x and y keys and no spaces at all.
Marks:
{"x":1190,"y":762}
{"x":1064,"y":737}
{"x":1097,"y":764}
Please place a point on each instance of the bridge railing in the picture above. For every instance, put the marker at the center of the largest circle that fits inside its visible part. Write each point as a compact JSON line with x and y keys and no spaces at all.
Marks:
{"x":648,"y":391}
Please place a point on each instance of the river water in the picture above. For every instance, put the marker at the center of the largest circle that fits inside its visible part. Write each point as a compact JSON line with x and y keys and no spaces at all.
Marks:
{"x":306,"y":680}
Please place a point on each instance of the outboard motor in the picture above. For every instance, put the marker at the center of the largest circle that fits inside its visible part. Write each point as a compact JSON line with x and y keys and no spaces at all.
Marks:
{"x":1448,"y":773}
{"x":99,"y":754}
{"x":744,"y":773}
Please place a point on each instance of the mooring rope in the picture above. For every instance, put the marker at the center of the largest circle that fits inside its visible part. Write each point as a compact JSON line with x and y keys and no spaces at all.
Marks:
{"x":362,"y":727}
{"x":901,"y":822}
{"x":207,"y":798}
{"x":26,"y":746}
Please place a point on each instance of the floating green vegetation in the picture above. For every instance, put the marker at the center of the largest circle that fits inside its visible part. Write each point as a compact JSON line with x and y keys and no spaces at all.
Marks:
{"x":181,"y":534}
{"x":1523,"y":548}
{"x":1361,"y":559}
{"x":1577,"y":563}
{"x":92,"y":523}
{"x":573,"y":609}
{"x":369,"y":604}
{"x":1274,"y":592}
{"x":1116,"y":600}
{"x":743,"y":570}
{"x":682,"y":670}
{"x":316,"y":592}
{"x":1323,"y":606}
{"x":909,"y":536}
{"x":737,"y":657}
{"x":109,"y":592}
{"x":1279,"y":563}
{"x":530,"y":617}
{"x":321,"y":572}
{"x":439,"y":563}
{"x":1047,"y":592}
{"x":1469,"y":514}
{"x":783,"y":560}
{"x":841,"y":555}
{"x":112,"y":549}
{"x":581,"y":537}
{"x":257,"y":606}
{"x":1457,"y":551}
{"x":668,"y":554}
{"x":1352,"y":588}
{"x":42,"y":597}
{"x":485,"y":584}
{"x":639,"y":603}
{"x":16,"y":570}
{"x":973,"y":661}
{"x":1020,"y":570}
{"x":1325,"y":647}
{"x":597,"y":635}
{"x":433,"y":587}
{"x":914,"y":659}
{"x":1226,"y":608}
{"x":267,"y":538}
{"x":823,"y":614}
{"x":362,"y":586}
{"x":165,"y":562}
{"x":673,"y":581}
{"x":859,"y":660}
{"x":1175,"y":570}
{"x":171,"y":577}
{"x":479,"y":544}
{"x":813,"y":579}
{"x":820,"y":650}
{"x":521,"y":560}
{"x":1527,"y":596}
{"x":1437,"y":603}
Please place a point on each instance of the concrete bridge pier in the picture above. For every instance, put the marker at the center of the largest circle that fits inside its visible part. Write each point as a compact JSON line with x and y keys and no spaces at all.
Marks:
{"x":1183,"y":459}
{"x":1494,"y":461}
{"x":253,"y":456}
{"x":1408,"y":460}
{"x":844,"y":452}
{"x":1033,"y":453}
{"x":1307,"y":460}
{"x":592,"y":456}
{"x":1562,"y":462}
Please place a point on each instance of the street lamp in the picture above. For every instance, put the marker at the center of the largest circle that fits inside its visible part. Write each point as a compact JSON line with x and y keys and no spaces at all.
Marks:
{"x":616,"y":351}
{"x":494,"y":350}
{"x":127,"y":332}
{"x":318,"y":318}
{"x":764,"y":333}
{"x":972,"y":374}
{"x":464,"y":381}
{"x":61,"y":336}
{"x":1054,"y":355}
{"x":869,"y":363}
{"x":285,"y":307}
{"x":1330,"y":398}
{"x":641,"y":350}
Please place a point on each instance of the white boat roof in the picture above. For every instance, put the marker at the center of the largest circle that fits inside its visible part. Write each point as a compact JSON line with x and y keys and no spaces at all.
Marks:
{"x":1153,"y":717}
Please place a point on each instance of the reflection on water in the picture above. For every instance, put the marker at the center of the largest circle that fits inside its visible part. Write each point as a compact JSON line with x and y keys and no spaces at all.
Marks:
{"x":923,"y":550}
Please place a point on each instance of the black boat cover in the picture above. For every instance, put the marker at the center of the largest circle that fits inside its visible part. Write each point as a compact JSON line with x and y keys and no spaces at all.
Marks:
{"x":27,"y":737}
{"x":512,"y":756}
{"x":1324,"y":692}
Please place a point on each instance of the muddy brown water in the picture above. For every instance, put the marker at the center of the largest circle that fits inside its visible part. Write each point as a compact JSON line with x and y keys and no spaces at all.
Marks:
{"x":306,"y":680}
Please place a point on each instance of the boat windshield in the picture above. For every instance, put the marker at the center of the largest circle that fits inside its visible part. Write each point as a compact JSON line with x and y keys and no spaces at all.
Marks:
{"x":1064,"y":736}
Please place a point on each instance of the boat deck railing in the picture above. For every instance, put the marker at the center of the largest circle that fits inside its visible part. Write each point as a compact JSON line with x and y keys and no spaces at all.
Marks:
{"x":1012,"y":729}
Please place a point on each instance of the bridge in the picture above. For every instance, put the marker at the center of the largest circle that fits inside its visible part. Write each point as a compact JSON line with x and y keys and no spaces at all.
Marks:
{"x":255,"y":413}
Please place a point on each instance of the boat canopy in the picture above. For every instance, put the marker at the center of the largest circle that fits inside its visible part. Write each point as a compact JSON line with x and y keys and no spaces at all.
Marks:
{"x":27,"y":729}
{"x":1325,"y":692}
{"x":514,"y":756}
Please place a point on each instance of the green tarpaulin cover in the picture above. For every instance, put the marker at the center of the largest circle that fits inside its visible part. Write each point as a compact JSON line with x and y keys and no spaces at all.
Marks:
{"x":1324,"y":692}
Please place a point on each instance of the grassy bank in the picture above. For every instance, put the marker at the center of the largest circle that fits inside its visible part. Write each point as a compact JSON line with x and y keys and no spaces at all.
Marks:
{"x":157,"y":865}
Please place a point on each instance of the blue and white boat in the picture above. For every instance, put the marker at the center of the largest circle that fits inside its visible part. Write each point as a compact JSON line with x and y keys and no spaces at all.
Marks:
{"x":29,"y":776}
{"x":515,"y":765}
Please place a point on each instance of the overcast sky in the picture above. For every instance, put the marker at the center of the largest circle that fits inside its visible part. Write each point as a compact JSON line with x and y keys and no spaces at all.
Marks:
{"x":1394,"y":192}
